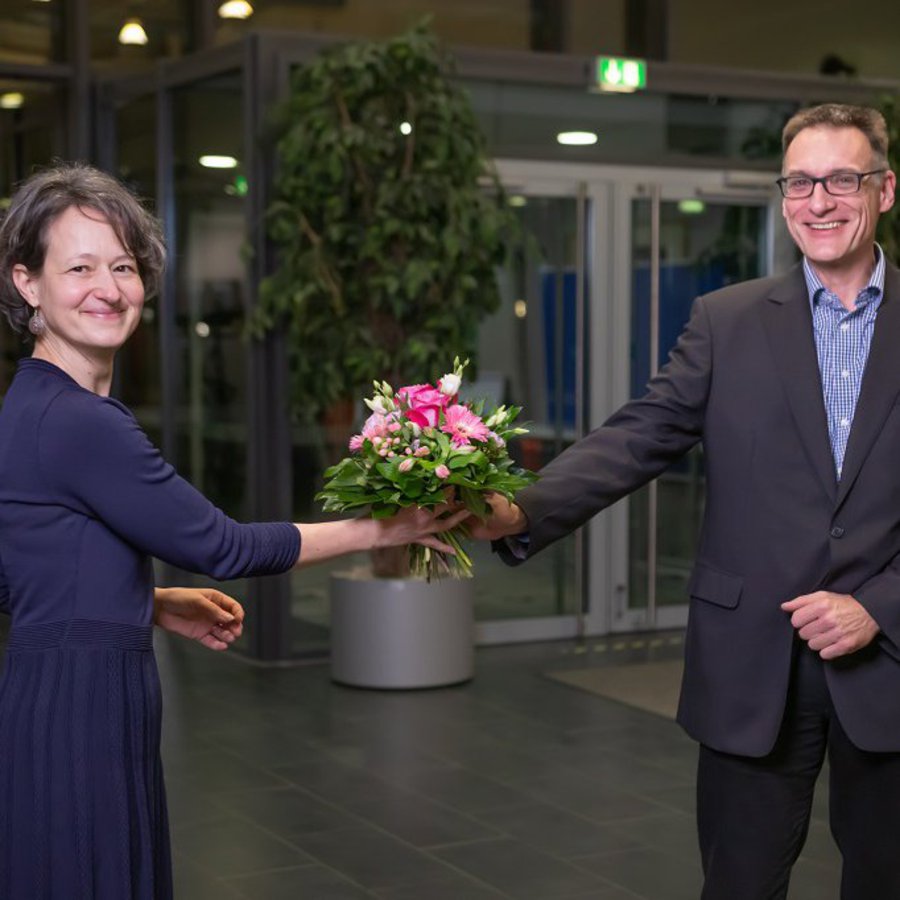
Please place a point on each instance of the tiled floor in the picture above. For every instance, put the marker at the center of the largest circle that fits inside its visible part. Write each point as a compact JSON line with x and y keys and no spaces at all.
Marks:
{"x":284,"y":785}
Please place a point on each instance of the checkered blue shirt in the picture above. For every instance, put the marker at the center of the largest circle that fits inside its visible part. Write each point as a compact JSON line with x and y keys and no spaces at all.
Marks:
{"x":842,"y":344}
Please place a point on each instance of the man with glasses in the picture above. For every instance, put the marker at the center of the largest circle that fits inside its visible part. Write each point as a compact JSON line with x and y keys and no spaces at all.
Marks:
{"x":792,"y":650}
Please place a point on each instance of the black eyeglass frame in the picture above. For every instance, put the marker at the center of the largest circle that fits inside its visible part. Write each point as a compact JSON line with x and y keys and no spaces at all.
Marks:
{"x":782,"y":182}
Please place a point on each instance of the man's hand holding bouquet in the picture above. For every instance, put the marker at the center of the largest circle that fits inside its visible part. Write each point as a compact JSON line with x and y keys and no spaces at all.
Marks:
{"x":422,"y":446}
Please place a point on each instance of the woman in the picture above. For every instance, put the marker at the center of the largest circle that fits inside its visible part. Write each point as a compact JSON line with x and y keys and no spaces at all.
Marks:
{"x":85,"y":502}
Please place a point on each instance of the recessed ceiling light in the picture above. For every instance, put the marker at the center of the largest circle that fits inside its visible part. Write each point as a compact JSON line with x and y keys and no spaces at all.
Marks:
{"x":132,"y":32}
{"x":691,"y":207}
{"x":211,"y":161}
{"x":235,"y":9}
{"x":577,"y":138}
{"x":12,"y":100}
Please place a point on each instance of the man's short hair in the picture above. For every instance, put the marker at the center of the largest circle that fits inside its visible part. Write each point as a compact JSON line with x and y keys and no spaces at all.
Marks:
{"x":839,"y":115}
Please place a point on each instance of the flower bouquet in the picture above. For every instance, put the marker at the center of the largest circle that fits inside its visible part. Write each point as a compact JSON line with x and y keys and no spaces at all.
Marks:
{"x":423,"y":446}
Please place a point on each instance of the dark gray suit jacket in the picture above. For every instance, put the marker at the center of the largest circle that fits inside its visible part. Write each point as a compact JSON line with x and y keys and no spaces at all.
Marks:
{"x":744,"y":379}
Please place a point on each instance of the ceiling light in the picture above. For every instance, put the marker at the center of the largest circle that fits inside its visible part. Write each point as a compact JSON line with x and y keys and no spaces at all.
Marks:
{"x":577,"y":138}
{"x":235,"y":9}
{"x":691,"y":207}
{"x":405,"y":128}
{"x":211,"y":161}
{"x":132,"y":32}
{"x":12,"y":100}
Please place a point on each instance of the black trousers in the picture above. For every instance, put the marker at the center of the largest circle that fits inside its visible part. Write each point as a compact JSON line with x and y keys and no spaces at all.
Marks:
{"x":753,"y":814}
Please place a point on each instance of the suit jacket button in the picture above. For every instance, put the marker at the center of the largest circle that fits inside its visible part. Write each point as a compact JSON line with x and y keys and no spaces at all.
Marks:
{"x":837,"y":531}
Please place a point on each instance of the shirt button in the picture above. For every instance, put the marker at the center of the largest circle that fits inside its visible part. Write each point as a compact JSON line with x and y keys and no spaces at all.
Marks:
{"x":845,"y":326}
{"x":845,"y":423}
{"x":837,"y":531}
{"x":845,"y":373}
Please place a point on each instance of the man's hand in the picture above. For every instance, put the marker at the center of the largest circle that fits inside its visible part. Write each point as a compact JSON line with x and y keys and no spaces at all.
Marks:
{"x":505,"y":519}
{"x":199,"y":614}
{"x":833,"y":624}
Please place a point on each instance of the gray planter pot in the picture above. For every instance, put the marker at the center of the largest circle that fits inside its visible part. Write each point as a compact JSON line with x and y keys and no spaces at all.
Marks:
{"x":401,"y":632}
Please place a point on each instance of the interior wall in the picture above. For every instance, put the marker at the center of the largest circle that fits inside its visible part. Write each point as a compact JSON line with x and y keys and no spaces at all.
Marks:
{"x":789,"y":37}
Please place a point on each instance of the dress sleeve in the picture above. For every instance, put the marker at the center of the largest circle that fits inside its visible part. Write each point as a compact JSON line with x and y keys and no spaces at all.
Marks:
{"x":93,"y":453}
{"x":4,"y":591}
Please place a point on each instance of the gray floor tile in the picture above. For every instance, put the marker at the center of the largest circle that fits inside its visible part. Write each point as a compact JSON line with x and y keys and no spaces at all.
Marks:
{"x":309,"y":883}
{"x":371,"y":858}
{"x":282,"y":784}
{"x":557,"y":831}
{"x":286,"y":811}
{"x":649,"y":873}
{"x":521,"y":870}
{"x":232,"y":846}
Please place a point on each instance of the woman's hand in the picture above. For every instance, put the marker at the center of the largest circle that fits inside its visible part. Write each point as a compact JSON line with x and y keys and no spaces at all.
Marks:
{"x":419,"y":526}
{"x":199,"y":614}
{"x":321,"y":541}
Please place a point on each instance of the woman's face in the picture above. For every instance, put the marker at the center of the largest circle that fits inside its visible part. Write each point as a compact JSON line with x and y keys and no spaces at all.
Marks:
{"x":89,"y":291}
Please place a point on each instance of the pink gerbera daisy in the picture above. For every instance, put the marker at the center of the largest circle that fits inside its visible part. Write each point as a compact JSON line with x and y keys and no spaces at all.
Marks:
{"x":463,"y":425}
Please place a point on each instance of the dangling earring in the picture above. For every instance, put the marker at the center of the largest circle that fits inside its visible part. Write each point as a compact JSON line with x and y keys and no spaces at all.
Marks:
{"x":36,"y":324}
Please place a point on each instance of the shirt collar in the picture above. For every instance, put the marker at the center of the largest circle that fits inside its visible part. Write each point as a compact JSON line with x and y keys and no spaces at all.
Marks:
{"x":872,"y":291}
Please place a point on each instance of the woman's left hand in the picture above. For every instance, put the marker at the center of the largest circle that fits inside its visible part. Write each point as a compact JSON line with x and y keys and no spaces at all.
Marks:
{"x":199,"y":614}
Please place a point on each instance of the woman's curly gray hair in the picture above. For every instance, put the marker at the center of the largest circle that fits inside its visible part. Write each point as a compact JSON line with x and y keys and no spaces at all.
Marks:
{"x":46,"y":195}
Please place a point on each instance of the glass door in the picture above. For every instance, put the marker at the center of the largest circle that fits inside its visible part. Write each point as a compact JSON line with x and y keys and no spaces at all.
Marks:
{"x":680,"y":248}
{"x":531,"y":355}
{"x":653,"y":240}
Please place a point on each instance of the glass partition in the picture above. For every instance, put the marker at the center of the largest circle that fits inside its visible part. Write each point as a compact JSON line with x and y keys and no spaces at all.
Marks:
{"x":702,"y":246}
{"x":522,"y":121}
{"x":31,"y":32}
{"x":528,"y":354}
{"x":31,"y":134}
{"x":138,"y":382}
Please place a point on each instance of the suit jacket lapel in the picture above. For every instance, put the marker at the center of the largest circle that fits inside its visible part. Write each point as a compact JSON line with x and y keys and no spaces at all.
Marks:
{"x":880,"y":384}
{"x":788,"y":325}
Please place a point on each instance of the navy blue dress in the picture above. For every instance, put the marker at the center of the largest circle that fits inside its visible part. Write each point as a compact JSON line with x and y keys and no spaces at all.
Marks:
{"x":85,"y":502}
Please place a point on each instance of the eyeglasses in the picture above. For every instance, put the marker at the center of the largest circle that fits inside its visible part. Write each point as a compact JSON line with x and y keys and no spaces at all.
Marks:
{"x":798,"y":187}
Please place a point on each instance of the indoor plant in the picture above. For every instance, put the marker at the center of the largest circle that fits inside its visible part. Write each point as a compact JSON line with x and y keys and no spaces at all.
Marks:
{"x":388,"y":220}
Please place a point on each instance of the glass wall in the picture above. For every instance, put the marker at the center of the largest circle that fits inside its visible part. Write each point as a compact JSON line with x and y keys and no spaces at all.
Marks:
{"x":138,"y":381}
{"x":31,"y":32}
{"x":702,"y":246}
{"x":527,"y":357}
{"x":522,"y":121}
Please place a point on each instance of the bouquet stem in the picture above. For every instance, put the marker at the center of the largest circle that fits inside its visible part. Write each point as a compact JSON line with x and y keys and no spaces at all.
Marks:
{"x":424,"y":562}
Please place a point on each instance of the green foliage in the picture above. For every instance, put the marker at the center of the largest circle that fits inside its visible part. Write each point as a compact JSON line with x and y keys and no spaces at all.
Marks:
{"x":388,"y":242}
{"x":889,"y":224}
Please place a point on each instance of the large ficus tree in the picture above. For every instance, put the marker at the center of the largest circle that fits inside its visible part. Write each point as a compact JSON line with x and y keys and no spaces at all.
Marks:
{"x":388,"y":219}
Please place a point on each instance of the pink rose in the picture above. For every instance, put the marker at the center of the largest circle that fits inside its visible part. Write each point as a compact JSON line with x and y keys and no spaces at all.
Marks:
{"x":442,"y":472}
{"x":417,"y":395}
{"x":406,"y":465}
{"x":424,"y":416}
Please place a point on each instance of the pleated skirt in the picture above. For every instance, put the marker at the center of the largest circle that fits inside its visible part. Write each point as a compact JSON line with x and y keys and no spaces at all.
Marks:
{"x":82,"y":801}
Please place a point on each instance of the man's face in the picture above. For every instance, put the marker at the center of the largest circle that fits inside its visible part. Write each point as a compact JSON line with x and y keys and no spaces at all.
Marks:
{"x":836,"y":234}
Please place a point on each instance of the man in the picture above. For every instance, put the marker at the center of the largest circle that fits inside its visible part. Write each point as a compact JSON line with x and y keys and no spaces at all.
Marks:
{"x":792,"y":648}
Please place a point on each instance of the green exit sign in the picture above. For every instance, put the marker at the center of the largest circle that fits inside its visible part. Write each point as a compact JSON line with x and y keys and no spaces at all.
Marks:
{"x":617,"y":73}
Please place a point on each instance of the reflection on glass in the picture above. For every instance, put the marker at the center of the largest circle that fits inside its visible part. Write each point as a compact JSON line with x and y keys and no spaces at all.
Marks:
{"x":138,"y":380}
{"x":700,"y":250}
{"x":31,"y":135}
{"x":527,"y":353}
{"x":30,"y":32}
{"x":522,"y":121}
{"x":210,"y":234}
